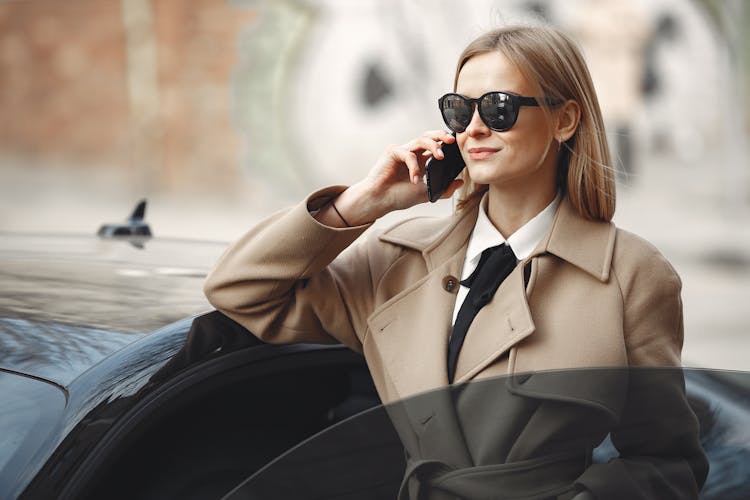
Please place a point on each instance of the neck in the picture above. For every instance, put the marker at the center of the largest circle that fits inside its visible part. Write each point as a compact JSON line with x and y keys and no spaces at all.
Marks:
{"x":509,"y":208}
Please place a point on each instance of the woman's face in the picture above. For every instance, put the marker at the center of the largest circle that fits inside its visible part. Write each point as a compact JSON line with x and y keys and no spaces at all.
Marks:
{"x":522,"y":157}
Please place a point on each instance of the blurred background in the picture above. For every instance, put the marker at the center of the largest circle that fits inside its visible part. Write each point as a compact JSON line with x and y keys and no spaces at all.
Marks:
{"x":220,"y":112}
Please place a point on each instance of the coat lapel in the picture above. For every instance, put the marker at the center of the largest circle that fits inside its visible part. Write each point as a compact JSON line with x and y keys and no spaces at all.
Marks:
{"x":410,"y":331}
{"x":587,"y":244}
{"x":498,"y":326}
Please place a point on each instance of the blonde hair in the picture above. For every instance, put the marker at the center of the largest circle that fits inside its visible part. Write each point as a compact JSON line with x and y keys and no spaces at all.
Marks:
{"x":552,"y":63}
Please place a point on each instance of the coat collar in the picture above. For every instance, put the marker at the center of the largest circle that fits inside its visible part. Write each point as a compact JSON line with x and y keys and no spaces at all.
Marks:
{"x":436,"y":238}
{"x":586,"y":244}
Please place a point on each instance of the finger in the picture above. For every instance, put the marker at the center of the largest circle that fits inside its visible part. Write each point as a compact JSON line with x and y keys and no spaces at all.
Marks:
{"x":409,"y":158}
{"x":446,"y":136}
{"x":424,"y":158}
{"x":429,"y":137}
{"x":439,"y":135}
{"x":426,"y":145}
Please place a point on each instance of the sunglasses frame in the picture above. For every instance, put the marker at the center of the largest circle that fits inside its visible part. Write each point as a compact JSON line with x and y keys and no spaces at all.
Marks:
{"x":516,"y":101}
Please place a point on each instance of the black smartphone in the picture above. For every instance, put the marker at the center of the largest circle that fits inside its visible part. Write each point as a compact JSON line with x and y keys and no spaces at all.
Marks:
{"x":440,"y":173}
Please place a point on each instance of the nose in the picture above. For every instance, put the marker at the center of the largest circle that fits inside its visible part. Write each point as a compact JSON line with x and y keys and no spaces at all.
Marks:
{"x":477,"y":127}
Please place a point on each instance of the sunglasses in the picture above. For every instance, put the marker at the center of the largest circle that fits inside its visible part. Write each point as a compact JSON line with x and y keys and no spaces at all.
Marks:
{"x":498,"y":110}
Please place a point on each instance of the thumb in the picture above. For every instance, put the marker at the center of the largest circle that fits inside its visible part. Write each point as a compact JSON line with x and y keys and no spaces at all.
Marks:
{"x":452,"y":188}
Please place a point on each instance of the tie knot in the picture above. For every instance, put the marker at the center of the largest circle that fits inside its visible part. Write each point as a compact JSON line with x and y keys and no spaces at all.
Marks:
{"x":497,"y":257}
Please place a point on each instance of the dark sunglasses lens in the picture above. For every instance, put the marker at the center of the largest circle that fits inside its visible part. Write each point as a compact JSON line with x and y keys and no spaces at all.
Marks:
{"x":498,"y":110}
{"x":456,"y":112}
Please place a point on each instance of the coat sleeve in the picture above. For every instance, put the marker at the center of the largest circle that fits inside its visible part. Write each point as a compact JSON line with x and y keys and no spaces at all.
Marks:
{"x":288,"y":281}
{"x":660,"y":454}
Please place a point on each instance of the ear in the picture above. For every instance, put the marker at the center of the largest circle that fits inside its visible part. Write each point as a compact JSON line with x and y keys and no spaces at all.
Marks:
{"x":567,"y":117}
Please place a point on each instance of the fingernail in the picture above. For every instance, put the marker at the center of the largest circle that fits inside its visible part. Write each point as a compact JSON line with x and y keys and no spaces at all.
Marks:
{"x":439,"y":152}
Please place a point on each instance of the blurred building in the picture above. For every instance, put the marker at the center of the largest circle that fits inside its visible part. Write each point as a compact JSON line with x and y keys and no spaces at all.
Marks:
{"x":138,"y":85}
{"x":220,"y":96}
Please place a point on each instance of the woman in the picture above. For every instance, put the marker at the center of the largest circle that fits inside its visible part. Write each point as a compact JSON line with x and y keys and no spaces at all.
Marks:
{"x":579,"y":293}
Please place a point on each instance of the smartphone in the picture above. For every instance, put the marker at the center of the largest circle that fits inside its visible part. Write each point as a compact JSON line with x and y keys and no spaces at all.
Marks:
{"x":440,"y":173}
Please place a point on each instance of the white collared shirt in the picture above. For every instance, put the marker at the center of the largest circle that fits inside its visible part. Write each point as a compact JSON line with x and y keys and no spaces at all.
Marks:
{"x":486,"y":235}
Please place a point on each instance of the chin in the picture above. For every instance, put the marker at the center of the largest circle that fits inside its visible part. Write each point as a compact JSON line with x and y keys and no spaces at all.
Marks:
{"x":485,"y":174}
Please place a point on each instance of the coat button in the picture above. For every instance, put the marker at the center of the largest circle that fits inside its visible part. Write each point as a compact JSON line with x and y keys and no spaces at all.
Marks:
{"x":450,"y":283}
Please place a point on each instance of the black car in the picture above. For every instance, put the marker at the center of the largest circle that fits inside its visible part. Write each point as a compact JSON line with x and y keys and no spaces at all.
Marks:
{"x":100,"y":400}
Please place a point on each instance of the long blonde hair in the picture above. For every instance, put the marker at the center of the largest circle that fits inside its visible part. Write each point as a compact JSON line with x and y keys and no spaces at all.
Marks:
{"x":552,"y":62}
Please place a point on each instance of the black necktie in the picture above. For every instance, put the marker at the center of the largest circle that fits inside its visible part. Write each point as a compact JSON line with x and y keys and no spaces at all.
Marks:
{"x":495,"y":264}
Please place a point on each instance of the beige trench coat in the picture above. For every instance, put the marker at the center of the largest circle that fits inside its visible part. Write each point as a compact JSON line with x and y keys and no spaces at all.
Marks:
{"x":593,"y":295}
{"x":590,"y":295}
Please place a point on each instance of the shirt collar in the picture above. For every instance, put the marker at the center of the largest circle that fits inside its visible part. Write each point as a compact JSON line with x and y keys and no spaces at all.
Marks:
{"x":522,"y":242}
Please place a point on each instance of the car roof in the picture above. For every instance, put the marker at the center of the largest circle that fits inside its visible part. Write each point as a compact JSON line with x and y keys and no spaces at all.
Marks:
{"x":70,"y":301}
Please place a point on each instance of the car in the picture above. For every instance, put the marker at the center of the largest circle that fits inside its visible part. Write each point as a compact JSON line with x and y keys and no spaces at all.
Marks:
{"x":119,"y":381}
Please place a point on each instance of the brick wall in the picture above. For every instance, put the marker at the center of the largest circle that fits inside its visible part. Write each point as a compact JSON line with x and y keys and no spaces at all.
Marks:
{"x":78,"y":87}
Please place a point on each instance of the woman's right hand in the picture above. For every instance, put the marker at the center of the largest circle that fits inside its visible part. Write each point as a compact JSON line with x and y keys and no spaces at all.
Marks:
{"x":395,"y":181}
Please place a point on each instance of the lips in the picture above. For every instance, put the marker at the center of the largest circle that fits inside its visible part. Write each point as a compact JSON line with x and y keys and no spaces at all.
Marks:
{"x":482,"y":153}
